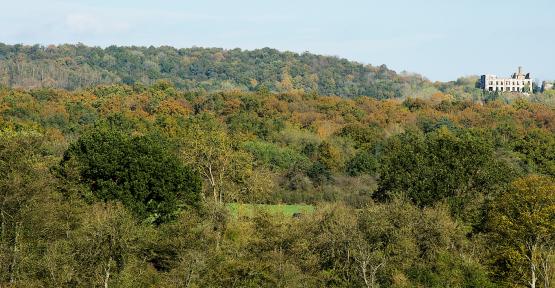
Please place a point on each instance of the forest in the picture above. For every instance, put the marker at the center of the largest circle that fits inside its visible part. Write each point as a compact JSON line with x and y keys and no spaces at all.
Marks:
{"x":114,"y":175}
{"x":201,"y":69}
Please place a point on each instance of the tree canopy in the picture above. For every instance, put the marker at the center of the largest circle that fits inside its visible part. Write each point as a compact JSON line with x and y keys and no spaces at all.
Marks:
{"x":139,"y":171}
{"x":208,"y":69}
{"x":156,"y":186}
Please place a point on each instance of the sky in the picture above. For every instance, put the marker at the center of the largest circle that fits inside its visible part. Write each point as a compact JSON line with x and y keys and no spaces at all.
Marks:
{"x":440,"y":39}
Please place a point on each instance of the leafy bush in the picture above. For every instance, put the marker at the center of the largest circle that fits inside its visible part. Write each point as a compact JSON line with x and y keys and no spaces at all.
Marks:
{"x":275,"y":156}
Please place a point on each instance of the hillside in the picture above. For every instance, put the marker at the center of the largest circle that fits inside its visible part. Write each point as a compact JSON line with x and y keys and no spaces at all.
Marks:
{"x":276,"y":144}
{"x":137,"y":166}
{"x":251,"y":189}
{"x":206,"y":69}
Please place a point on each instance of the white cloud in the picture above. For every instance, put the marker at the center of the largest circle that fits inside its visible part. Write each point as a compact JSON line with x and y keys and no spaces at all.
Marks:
{"x":86,"y":23}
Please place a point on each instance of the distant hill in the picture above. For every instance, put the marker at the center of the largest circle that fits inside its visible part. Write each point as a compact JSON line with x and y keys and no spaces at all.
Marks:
{"x":210,"y":69}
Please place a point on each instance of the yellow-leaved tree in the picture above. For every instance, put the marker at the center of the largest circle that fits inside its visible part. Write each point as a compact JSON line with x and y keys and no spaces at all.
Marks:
{"x":522,"y":229}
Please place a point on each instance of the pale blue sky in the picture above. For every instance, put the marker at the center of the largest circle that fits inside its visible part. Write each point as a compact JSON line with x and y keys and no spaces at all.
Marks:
{"x":441,"y":40}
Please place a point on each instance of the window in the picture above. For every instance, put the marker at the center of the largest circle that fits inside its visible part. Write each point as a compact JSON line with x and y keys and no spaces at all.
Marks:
{"x":490,"y":88}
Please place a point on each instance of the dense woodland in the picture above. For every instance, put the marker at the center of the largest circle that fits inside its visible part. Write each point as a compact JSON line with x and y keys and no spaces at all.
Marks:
{"x":201,"y":69}
{"x":131,"y":185}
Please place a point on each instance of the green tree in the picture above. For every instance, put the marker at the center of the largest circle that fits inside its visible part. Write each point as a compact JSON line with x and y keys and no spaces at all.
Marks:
{"x":363,"y":162}
{"x":209,"y":149}
{"x":103,"y":245}
{"x":538,"y":150}
{"x":139,"y":171}
{"x":426,"y":168}
{"x":24,"y":177}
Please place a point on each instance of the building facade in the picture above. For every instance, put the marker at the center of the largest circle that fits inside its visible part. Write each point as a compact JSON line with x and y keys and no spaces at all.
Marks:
{"x":547,"y":86}
{"x":518,"y":83}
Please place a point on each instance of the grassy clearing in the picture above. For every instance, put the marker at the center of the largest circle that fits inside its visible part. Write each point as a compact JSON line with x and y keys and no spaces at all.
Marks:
{"x":286,"y":210}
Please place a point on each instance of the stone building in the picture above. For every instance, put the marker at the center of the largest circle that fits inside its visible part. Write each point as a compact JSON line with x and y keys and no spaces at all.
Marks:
{"x":547,"y":86}
{"x":518,"y":83}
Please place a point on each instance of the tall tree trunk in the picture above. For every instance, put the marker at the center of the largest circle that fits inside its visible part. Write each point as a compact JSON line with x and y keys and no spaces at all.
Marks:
{"x":212,"y":181}
{"x":533,"y":275}
{"x":3,"y":229}
{"x":107,"y":273}
{"x":364,"y":276}
{"x":545,"y":266}
{"x":531,"y":256}
{"x":374,"y":273}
